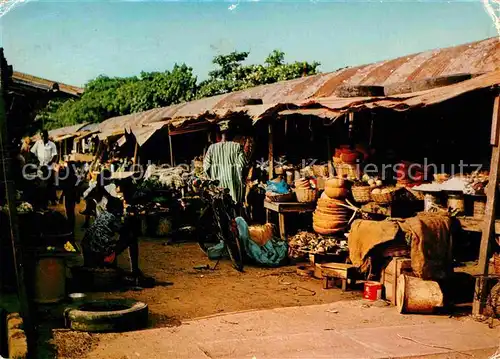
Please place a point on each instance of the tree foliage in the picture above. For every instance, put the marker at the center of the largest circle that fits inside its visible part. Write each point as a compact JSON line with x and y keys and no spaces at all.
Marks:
{"x":106,"y":97}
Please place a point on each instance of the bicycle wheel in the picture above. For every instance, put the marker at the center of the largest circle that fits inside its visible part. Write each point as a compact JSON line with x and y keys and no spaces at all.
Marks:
{"x":234,"y":250}
{"x":233,"y":247}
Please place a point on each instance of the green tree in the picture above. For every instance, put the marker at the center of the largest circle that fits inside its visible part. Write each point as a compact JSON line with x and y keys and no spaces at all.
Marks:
{"x":106,"y":97}
{"x":232,"y":75}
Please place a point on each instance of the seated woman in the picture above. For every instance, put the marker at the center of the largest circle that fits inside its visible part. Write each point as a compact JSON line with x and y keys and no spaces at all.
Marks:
{"x":103,"y":181}
{"x":110,"y":234}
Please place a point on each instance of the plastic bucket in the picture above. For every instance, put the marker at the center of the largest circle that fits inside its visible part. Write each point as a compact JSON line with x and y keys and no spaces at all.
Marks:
{"x":415,"y":295}
{"x":372,"y":291}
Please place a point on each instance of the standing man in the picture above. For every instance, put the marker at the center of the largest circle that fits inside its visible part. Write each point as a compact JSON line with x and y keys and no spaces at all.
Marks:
{"x":45,"y":150}
{"x":46,"y":153}
{"x":225,"y":162}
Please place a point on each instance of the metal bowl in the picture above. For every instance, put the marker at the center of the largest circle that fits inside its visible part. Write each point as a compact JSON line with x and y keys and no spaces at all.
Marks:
{"x":77,"y":297}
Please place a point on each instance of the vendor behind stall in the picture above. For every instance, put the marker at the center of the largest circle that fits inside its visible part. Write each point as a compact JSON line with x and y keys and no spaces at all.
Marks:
{"x":225,"y":162}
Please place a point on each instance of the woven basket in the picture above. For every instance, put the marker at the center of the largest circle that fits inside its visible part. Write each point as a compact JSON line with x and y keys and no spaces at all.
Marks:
{"x":305,"y":195}
{"x":287,"y":197}
{"x":479,"y":208}
{"x":361,"y":194}
{"x":383,"y":198}
{"x":496,"y":263}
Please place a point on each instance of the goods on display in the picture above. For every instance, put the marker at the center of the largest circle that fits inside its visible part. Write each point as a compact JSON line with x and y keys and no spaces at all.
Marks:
{"x":306,"y":242}
{"x":331,"y":216}
{"x":24,"y":207}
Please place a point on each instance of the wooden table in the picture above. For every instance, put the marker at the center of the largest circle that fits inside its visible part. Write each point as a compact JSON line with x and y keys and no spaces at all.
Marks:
{"x":473,"y":224}
{"x":283,"y":208}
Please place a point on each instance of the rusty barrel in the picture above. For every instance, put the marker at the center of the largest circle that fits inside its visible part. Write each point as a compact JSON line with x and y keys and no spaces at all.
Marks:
{"x":49,"y":280}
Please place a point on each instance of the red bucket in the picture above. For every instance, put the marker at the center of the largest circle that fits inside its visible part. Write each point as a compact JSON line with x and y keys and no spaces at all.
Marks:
{"x":372,"y":291}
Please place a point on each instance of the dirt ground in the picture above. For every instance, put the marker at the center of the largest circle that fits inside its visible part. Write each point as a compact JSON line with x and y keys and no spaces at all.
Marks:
{"x":187,"y":293}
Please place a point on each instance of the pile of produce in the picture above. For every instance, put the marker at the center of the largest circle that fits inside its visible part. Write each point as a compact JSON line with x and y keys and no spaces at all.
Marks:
{"x":373,"y":182}
{"x":476,"y":183}
{"x":473,"y":184}
{"x":305,"y":242}
{"x":167,"y":176}
{"x":24,"y":207}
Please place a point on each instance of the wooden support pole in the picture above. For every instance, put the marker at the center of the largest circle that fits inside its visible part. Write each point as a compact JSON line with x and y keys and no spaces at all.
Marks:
{"x":329,"y":150}
{"x":370,"y":141}
{"x":271,"y":151}
{"x":351,"y":123}
{"x":5,"y":180}
{"x":171,"y":150}
{"x":136,"y":150}
{"x":489,"y":217}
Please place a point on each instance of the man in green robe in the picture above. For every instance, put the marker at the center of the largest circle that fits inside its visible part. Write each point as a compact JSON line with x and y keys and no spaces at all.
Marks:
{"x":225,"y":162}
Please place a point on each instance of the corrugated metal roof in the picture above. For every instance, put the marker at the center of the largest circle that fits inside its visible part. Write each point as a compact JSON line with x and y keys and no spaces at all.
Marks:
{"x":91,"y":127}
{"x":338,"y":106}
{"x":474,"y":58}
{"x":30,"y":80}
{"x":68,"y":130}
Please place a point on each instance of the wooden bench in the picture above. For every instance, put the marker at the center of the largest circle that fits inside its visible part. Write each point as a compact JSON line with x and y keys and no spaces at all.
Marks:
{"x":342,"y":271}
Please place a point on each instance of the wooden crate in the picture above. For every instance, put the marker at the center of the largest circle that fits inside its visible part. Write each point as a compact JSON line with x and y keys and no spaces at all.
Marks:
{"x":391,"y":274}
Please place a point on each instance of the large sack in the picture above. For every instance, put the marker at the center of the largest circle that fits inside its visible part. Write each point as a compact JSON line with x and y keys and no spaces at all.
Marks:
{"x":365,"y":235}
{"x":431,"y":245}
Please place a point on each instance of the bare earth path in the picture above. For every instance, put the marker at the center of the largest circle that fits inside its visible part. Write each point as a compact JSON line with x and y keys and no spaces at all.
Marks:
{"x":350,"y":329}
{"x":192,"y":293}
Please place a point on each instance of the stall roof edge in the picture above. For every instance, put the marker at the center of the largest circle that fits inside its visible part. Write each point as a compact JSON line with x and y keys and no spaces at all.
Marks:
{"x":475,"y":58}
{"x":45,"y":84}
{"x":472,"y":58}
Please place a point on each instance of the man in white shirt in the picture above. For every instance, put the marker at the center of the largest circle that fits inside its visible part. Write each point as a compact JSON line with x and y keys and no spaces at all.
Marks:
{"x":46,"y":153}
{"x":45,"y":150}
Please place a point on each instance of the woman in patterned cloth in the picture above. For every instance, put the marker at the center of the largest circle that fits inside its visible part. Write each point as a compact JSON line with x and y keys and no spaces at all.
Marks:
{"x":110,"y":234}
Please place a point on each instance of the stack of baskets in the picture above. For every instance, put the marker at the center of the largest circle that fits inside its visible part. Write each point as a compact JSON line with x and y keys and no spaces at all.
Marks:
{"x":304,"y":191}
{"x":335,"y":188}
{"x":330,"y":216}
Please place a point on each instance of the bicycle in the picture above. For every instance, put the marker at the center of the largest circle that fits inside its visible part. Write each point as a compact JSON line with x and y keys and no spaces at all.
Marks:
{"x":217,"y":222}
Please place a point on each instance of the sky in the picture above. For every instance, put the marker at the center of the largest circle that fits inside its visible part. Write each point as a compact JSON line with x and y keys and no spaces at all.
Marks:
{"x":75,"y":41}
